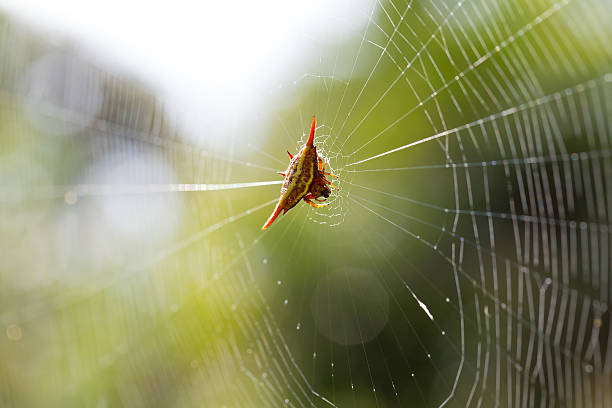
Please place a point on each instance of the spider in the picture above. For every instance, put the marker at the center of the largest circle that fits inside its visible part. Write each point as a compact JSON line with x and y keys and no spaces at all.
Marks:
{"x":304,"y":179}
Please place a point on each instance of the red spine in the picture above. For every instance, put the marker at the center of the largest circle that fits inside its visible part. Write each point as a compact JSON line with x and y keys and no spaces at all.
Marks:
{"x":277,"y":211}
{"x":311,"y":137}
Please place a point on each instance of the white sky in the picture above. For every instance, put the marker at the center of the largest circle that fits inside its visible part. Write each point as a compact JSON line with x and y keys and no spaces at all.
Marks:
{"x":206,"y":57}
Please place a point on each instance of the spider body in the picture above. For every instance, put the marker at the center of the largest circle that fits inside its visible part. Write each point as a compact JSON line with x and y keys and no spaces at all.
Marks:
{"x":304,"y":179}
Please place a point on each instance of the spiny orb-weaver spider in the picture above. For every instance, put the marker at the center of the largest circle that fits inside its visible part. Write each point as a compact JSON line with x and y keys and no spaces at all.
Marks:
{"x":304,"y":179}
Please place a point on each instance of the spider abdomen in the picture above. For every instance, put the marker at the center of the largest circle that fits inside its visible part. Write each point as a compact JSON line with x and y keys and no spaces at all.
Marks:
{"x":299,"y":177}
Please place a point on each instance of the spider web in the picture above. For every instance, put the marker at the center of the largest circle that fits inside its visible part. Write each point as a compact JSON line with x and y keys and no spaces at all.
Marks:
{"x":464,"y":260}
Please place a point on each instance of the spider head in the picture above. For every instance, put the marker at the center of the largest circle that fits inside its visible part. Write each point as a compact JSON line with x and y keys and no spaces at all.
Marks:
{"x":320,"y":189}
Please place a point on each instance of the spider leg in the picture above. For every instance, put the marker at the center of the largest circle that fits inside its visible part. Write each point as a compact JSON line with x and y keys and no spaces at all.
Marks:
{"x":315,"y":205}
{"x":320,"y":162}
{"x":281,"y":173}
{"x":290,"y":155}
{"x":323,"y":171}
{"x":328,"y":182}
